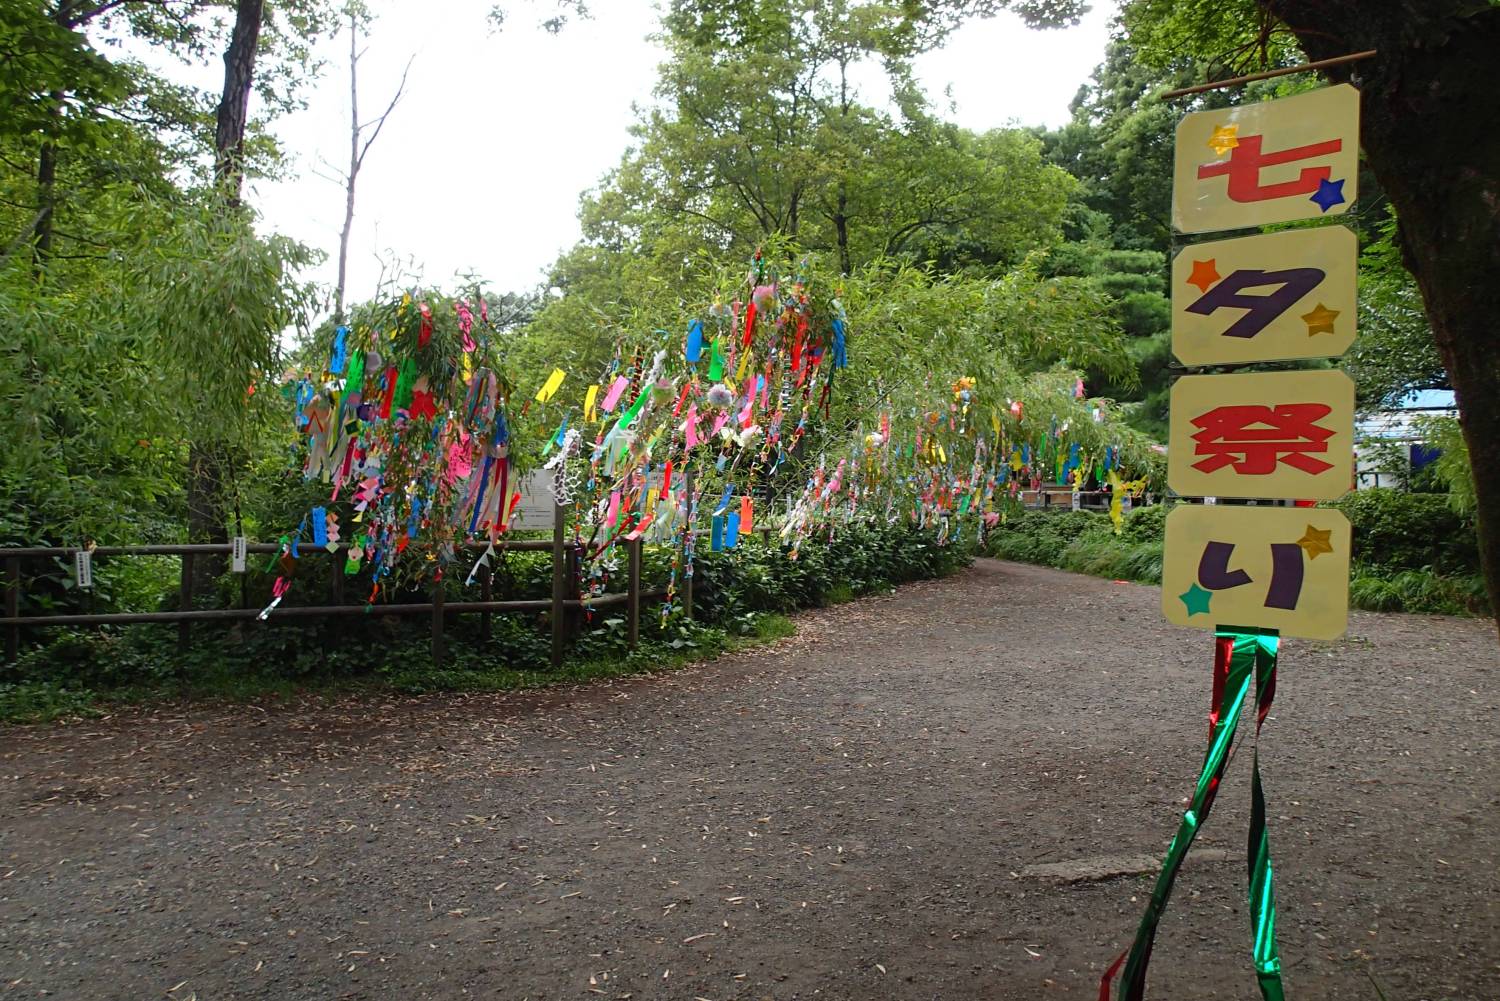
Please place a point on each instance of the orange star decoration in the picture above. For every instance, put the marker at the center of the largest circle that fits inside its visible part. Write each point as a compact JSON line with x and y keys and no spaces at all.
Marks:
{"x":1224,"y":139}
{"x":1320,"y":320}
{"x":1314,"y":542}
{"x":1205,"y":273}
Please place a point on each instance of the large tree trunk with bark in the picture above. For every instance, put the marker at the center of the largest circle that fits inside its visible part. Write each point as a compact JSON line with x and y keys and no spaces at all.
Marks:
{"x":208,"y":459}
{"x":234,"y":101}
{"x":1430,"y":127}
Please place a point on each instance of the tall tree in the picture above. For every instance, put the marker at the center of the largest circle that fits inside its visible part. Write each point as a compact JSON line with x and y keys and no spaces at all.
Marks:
{"x":759,"y":131}
{"x":209,"y":458}
{"x":1430,"y":128}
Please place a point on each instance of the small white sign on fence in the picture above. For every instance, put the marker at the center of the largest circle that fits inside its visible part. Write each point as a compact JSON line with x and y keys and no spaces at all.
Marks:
{"x":534,"y":512}
{"x":1077,"y":501}
{"x":83,"y":569}
{"x":1210,"y":500}
{"x":237,"y":555}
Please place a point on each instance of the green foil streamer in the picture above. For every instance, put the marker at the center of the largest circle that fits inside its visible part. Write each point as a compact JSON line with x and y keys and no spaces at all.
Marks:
{"x":1236,"y":655}
{"x":1262,"y":894}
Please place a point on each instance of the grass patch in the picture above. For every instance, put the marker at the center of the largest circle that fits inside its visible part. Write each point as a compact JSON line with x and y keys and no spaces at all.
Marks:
{"x":41,"y":701}
{"x":679,"y":646}
{"x":741,"y":597}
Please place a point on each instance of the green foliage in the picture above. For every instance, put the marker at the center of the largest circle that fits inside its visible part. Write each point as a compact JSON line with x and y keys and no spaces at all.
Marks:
{"x":104,"y":370}
{"x":740,"y":596}
{"x":40,"y":701}
{"x":1394,"y":353}
{"x":1412,"y":553}
{"x":1231,"y":34}
{"x":1452,"y":468}
{"x":755,"y":577}
{"x":1418,"y":591}
{"x":759,"y":131}
{"x":1084,"y":542}
{"x":1395,"y":530}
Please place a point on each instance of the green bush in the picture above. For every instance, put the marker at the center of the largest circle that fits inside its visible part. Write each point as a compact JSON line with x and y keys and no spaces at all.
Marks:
{"x":1418,"y":591}
{"x":1039,"y":536}
{"x":760,"y":577}
{"x":1412,"y":553}
{"x":737,"y":594}
{"x":1395,"y":530}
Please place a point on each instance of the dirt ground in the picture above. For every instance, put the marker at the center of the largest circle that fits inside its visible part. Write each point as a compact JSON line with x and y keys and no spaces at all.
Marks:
{"x":949,"y":792}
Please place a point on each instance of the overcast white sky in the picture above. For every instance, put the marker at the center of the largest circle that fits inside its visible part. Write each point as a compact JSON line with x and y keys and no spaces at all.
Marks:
{"x":480,"y":167}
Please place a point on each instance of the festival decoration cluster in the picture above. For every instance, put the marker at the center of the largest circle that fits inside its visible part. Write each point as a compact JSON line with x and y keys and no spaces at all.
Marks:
{"x":418,"y":429}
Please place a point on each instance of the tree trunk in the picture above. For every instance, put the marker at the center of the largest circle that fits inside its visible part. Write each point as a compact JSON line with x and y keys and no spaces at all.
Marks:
{"x":206,"y":515}
{"x":208,"y":459}
{"x":1430,"y":127}
{"x":841,"y":228}
{"x":234,"y":103}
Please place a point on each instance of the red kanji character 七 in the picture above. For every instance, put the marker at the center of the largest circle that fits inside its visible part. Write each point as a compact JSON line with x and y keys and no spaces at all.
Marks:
{"x":1244,"y":166}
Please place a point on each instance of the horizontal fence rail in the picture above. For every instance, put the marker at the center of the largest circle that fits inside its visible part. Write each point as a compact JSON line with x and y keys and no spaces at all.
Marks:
{"x":565,"y":612}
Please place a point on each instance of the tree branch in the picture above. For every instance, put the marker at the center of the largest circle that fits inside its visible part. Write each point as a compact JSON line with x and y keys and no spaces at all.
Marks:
{"x":379,"y":123}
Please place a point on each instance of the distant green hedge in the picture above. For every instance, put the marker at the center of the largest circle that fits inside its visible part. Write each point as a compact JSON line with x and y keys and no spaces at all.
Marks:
{"x":1412,"y":553}
{"x":1395,"y":530}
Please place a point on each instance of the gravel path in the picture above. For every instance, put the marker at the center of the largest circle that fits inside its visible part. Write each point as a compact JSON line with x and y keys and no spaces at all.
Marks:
{"x":949,"y":792}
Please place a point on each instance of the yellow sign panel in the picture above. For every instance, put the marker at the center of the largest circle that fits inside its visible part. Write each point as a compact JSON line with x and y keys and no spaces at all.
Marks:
{"x":1257,"y":567}
{"x":1275,"y":434}
{"x":1265,"y":298}
{"x":1293,"y":158}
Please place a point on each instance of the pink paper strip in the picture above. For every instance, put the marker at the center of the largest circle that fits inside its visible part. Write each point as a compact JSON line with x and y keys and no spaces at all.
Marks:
{"x":613,"y":396}
{"x":613,"y":514}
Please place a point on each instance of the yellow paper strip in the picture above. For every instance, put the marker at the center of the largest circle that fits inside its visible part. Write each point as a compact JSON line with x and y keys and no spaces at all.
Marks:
{"x":550,"y":386}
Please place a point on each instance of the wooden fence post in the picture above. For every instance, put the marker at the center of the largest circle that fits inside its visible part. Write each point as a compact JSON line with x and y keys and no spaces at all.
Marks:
{"x":437,"y":622}
{"x":486,"y":591}
{"x":12,"y":608}
{"x":633,"y":593}
{"x":559,"y":582}
{"x":687,"y":528}
{"x":336,"y":588}
{"x":332,"y":628}
{"x":185,"y":603}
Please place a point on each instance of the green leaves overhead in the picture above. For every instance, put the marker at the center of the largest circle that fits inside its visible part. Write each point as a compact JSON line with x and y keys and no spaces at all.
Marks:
{"x":759,"y":130}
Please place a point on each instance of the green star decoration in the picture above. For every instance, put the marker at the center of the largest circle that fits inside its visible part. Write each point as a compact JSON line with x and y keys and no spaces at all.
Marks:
{"x":1196,"y":599}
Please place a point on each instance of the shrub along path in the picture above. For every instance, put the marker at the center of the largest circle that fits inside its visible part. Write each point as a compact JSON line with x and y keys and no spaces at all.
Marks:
{"x":943,"y":793}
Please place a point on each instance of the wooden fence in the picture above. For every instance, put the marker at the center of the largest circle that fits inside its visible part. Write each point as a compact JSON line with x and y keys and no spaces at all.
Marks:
{"x":564,"y":611}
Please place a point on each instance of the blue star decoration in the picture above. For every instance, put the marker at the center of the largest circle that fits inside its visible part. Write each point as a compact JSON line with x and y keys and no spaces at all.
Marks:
{"x":1329,"y":194}
{"x":1196,"y":599}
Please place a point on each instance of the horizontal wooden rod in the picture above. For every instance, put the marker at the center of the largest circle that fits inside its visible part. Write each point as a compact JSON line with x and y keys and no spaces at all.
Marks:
{"x":33,"y":552}
{"x":315,"y":611}
{"x":1268,"y":74}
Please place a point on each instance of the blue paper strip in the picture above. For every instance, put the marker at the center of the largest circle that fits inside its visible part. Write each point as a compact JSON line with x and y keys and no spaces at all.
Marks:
{"x":695,"y":342}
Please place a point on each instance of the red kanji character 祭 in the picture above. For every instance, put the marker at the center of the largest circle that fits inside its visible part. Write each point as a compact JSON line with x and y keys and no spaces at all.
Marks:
{"x":1253,"y":439}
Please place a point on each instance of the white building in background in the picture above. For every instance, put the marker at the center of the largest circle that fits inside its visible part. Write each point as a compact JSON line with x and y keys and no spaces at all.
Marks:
{"x":1388,"y":445}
